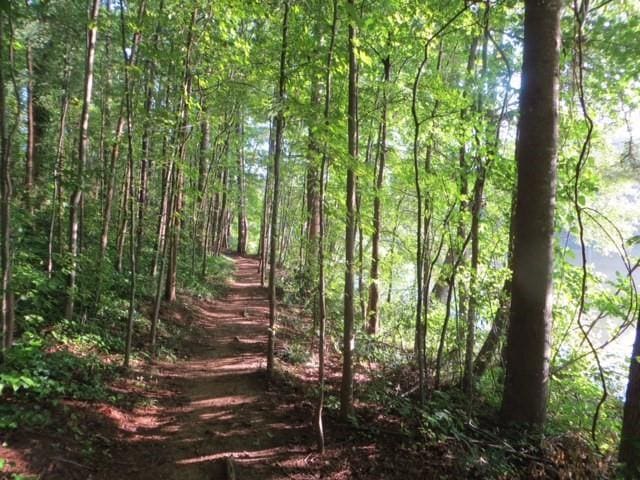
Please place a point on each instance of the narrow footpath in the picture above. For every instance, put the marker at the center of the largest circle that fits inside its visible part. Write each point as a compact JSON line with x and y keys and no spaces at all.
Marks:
{"x":221,"y":407}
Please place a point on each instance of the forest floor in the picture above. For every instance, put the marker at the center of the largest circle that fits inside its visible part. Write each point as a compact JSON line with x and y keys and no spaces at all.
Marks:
{"x":219,"y":404}
{"x":193,"y":415}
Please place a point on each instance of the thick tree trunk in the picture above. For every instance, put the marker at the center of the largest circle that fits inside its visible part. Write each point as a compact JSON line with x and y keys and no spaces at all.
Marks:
{"x":346,"y":389}
{"x":528,"y":339}
{"x":630,"y":437}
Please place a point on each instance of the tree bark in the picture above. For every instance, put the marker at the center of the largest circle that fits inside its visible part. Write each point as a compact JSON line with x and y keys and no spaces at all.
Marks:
{"x":630,"y":437}
{"x":501,"y":316}
{"x":528,"y":340}
{"x":280,"y":124}
{"x":83,"y":146}
{"x":145,"y":164}
{"x":175,"y":221}
{"x":30,"y":152}
{"x":373,"y":314}
{"x":7,"y":304}
{"x":243,"y":227}
{"x":266,"y":210}
{"x":222,"y":214}
{"x":346,"y":389}
{"x":321,"y":310}
{"x":476,"y":208}
{"x":130,"y":205}
{"x":56,"y":204}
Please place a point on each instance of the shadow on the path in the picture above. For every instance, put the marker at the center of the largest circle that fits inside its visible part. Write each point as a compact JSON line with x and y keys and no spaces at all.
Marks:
{"x":222,"y":407}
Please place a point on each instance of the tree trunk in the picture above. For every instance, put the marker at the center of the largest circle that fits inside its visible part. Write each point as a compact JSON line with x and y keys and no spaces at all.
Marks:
{"x":373,"y":313}
{"x":29,"y":166}
{"x":183,"y":128}
{"x":630,"y":437}
{"x":6,"y":301}
{"x":476,"y":208}
{"x":124,"y":220}
{"x":172,"y":238}
{"x":419,"y":336}
{"x":346,"y":390}
{"x":501,"y":316}
{"x":528,"y":339}
{"x":145,"y":164}
{"x":321,"y":310}
{"x":222,"y":214}
{"x":130,"y":205}
{"x":128,"y":61}
{"x":467,"y":381}
{"x":266,"y":211}
{"x":200,"y":204}
{"x":56,"y":203}
{"x":310,"y":228}
{"x":165,"y":208}
{"x":242,"y":194}
{"x":83,"y":146}
{"x":277,"y":153}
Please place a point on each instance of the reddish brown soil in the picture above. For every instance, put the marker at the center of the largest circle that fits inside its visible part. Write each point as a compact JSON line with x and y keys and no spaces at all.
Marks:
{"x":222,"y":407}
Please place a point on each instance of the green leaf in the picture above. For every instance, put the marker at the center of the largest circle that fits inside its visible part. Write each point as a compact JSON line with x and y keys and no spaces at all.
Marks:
{"x":635,"y":240}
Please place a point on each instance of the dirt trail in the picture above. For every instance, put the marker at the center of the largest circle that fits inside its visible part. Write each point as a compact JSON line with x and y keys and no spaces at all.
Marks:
{"x":222,"y":408}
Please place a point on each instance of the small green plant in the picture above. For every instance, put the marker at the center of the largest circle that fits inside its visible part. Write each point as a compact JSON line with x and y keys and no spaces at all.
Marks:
{"x":212,"y":284}
{"x":32,"y":378}
{"x":296,"y":354}
{"x":14,"y":476}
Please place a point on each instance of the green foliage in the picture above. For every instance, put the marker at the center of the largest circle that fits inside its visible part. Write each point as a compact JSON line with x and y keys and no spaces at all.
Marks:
{"x":296,"y":354}
{"x":218,"y":270}
{"x":572,"y":404}
{"x":466,"y":80}
{"x":34,"y":376}
{"x":34,"y":372}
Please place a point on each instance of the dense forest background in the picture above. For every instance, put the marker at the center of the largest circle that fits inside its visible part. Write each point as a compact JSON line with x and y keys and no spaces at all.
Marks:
{"x":369,"y":153}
